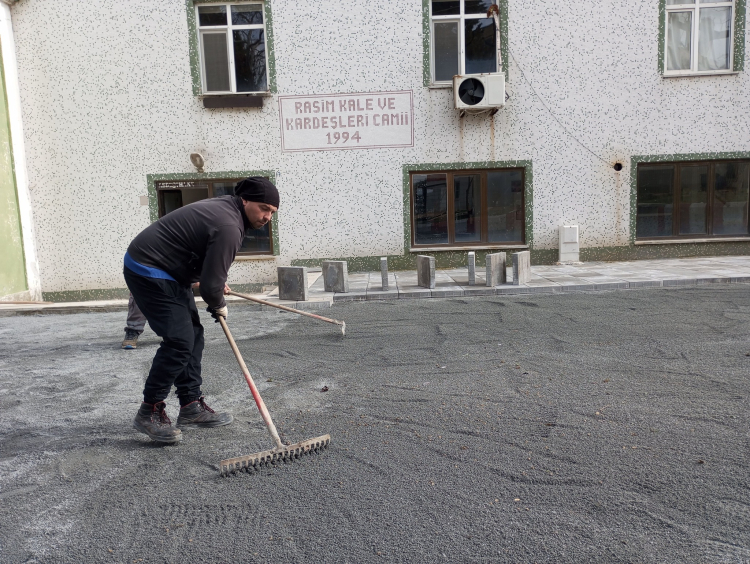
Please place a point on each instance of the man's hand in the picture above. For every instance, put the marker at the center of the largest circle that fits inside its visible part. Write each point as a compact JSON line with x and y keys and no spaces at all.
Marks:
{"x":227,"y":289}
{"x":219,"y":312}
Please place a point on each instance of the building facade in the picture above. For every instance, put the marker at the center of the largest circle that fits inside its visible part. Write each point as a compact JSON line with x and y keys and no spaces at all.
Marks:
{"x":628,"y":119}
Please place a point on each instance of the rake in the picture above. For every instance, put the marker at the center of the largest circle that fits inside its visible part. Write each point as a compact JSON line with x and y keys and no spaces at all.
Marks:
{"x":282,"y":452}
{"x":342,"y":324}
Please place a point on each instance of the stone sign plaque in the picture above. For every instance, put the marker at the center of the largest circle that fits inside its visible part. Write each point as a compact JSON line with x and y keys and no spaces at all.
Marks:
{"x":333,"y":122}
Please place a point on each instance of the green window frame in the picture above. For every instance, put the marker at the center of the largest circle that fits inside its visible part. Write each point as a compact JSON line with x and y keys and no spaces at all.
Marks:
{"x":690,"y":8}
{"x":486,"y":226}
{"x":194,"y":42}
{"x":165,"y":190}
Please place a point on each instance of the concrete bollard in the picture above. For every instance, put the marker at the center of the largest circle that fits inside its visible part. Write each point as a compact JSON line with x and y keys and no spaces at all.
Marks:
{"x":425,"y":271}
{"x":384,"y":272}
{"x":335,"y":276}
{"x":495,"y":269}
{"x":292,"y":283}
{"x":521,"y":267}
{"x":472,"y":268}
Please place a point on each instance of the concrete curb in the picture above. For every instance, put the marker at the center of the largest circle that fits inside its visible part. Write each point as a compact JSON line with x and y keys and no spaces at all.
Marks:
{"x":318,"y":303}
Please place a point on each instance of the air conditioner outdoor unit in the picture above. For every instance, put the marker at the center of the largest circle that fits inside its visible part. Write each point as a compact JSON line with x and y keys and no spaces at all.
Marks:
{"x":479,"y":92}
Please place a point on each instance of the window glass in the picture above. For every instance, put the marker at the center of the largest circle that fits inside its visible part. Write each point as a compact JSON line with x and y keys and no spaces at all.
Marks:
{"x":247,"y":14}
{"x":445,"y":42}
{"x":671,"y":2}
{"x":257,"y":240}
{"x":463,"y":39}
{"x":477,"y":6}
{"x":171,"y":200}
{"x":191,"y":195}
{"x":216,"y":62}
{"x":430,"y":209}
{"x":714,"y":38}
{"x":481,"y":49}
{"x":655,"y":201}
{"x":233,"y":59}
{"x":446,"y":7}
{"x":224,"y":188}
{"x":250,"y":60}
{"x":467,"y":198}
{"x":505,"y":206}
{"x":693,"y":199}
{"x":679,"y":29}
{"x":730,"y":205}
{"x":212,"y":15}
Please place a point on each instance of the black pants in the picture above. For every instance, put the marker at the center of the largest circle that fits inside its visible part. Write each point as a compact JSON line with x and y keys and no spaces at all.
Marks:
{"x":171,"y":313}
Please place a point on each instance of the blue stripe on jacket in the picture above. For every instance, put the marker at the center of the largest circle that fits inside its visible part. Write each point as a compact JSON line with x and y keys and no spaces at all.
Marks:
{"x":147,"y":271}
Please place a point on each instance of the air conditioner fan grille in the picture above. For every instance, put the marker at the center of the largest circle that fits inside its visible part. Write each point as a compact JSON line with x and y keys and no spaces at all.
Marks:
{"x":471,"y":91}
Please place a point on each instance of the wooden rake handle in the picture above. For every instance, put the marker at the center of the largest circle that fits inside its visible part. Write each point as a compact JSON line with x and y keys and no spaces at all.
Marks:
{"x":289,"y":309}
{"x":253,"y":390}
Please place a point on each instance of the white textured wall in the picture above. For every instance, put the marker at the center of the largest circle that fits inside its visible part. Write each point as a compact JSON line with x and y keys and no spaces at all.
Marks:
{"x":107,"y":99}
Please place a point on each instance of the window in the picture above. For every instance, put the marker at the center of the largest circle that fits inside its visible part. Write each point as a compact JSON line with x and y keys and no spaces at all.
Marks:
{"x":698,"y":36}
{"x":232,"y":43}
{"x":467,"y":208}
{"x":463,"y":39}
{"x":175,"y":194}
{"x":693,"y":199}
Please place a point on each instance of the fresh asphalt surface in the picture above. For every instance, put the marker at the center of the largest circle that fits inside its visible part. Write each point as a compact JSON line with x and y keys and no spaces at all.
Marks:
{"x":601,"y":427}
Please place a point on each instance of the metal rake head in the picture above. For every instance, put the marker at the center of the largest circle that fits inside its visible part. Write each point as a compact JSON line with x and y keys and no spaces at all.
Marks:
{"x":272,"y":457}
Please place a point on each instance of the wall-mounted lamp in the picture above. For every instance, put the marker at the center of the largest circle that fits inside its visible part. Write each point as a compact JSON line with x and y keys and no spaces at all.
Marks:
{"x":198,"y":161}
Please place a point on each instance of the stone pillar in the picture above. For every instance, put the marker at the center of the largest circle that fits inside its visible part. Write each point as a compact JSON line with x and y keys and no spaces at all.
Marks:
{"x":425,"y":271}
{"x":521,"y":267}
{"x":335,"y":276}
{"x":569,"y":245}
{"x":472,"y":268}
{"x":292,"y":283}
{"x":495,"y":269}
{"x":384,"y":272}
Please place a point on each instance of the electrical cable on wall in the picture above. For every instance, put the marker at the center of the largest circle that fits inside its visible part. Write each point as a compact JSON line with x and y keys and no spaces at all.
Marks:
{"x":565,"y":129}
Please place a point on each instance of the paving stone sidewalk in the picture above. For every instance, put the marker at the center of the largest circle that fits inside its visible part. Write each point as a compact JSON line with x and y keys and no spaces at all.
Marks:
{"x":583,"y":277}
{"x":590,"y":276}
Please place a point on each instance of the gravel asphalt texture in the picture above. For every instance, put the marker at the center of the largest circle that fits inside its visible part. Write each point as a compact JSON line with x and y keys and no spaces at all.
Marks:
{"x":601,"y":427}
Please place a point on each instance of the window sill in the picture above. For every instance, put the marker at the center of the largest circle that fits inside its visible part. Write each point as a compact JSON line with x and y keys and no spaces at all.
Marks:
{"x":439,"y":86}
{"x":234,"y":100}
{"x":695,"y":74}
{"x":254,"y":257}
{"x":691,"y":241}
{"x":262,"y":94}
{"x":467,"y":248}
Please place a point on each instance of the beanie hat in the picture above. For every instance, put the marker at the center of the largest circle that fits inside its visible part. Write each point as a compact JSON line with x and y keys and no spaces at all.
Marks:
{"x":257,"y":189}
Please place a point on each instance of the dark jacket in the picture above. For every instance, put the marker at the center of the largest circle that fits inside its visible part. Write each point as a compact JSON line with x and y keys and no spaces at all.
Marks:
{"x":197,"y":242}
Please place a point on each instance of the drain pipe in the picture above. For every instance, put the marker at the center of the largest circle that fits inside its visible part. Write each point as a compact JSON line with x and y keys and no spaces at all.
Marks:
{"x":494,"y":13}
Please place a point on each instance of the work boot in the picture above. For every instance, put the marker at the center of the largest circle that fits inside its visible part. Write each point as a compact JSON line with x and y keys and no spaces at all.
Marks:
{"x":152,"y":419}
{"x":198,"y":414}
{"x":131,"y":339}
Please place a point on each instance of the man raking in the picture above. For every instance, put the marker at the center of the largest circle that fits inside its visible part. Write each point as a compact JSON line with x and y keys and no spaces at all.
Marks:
{"x":197,"y":242}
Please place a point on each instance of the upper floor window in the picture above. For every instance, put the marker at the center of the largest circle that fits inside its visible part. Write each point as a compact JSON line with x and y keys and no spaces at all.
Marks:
{"x":463,"y":39}
{"x":232,"y":48}
{"x":698,"y":36}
